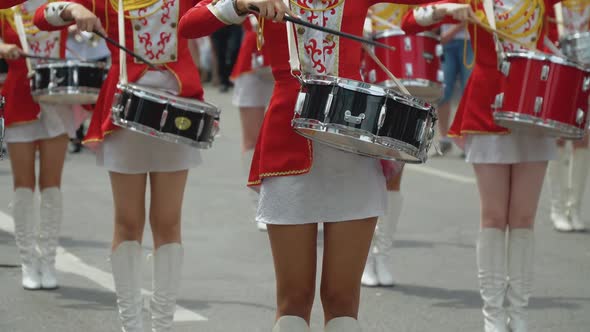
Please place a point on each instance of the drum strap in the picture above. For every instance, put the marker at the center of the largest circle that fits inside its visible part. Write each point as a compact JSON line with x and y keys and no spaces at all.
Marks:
{"x":22,"y":36}
{"x":122,"y":55}
{"x":292,"y":44}
{"x":397,"y":82}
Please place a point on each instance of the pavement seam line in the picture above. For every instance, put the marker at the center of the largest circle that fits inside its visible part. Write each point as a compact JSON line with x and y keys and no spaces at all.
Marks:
{"x":69,"y":263}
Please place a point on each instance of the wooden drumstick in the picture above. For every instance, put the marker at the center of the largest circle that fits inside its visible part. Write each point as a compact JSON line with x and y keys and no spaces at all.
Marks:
{"x":350,"y":36}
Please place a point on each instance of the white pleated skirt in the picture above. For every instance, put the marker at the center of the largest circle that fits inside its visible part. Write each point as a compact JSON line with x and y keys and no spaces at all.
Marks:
{"x":54,"y":120}
{"x":251,"y":90}
{"x":128,"y":152}
{"x":340,"y":186}
{"x":513,"y":148}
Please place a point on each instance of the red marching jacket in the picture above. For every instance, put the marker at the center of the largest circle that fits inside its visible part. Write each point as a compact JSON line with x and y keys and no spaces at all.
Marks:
{"x":20,"y":108}
{"x":9,"y":3}
{"x":151,"y":32}
{"x":474,"y":114}
{"x":280,"y":151}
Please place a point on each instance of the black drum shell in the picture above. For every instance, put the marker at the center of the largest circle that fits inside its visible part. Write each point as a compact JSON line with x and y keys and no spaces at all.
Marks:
{"x":148,"y":113}
{"x":395,"y":124}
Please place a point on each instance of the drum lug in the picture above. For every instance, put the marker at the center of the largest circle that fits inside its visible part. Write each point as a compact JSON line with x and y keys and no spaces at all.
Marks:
{"x":505,"y":68}
{"x":75,"y":77}
{"x":428,"y":57}
{"x":382,"y":114}
{"x":348,"y":117}
{"x":372,"y":76}
{"x":499,"y":101}
{"x":328,"y":105}
{"x":545,"y":73}
{"x":52,"y":78}
{"x":164,"y":118}
{"x":580,"y":116}
{"x":439,"y":50}
{"x":300,"y":101}
{"x":538,"y":105}
{"x":440,"y":75}
{"x":127,"y":107}
{"x":586,"y":85}
{"x":407,"y":43}
{"x":409,"y":70}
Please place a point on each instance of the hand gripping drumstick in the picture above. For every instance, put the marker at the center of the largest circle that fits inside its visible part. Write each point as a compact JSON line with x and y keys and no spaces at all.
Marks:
{"x":126,"y":50}
{"x":301,"y":22}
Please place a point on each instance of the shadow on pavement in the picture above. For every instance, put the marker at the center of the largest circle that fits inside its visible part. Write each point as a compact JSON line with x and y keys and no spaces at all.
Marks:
{"x":87,"y":298}
{"x":469,"y":299}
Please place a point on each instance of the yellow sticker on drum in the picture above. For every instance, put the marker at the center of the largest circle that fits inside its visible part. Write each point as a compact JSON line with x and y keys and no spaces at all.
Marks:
{"x":182,"y":123}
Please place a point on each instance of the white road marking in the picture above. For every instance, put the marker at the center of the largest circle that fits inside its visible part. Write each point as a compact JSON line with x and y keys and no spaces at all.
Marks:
{"x":441,"y":174}
{"x":70,"y":263}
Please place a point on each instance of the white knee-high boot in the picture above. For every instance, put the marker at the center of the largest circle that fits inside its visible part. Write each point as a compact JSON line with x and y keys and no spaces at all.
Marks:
{"x":521,"y":247}
{"x":376,"y":269}
{"x":167,"y":267}
{"x":126,"y":262}
{"x":51,"y":217}
{"x":343,"y":324}
{"x":491,"y":262}
{"x":578,"y":174}
{"x":291,"y":324}
{"x":557,"y":174}
{"x":24,"y":232}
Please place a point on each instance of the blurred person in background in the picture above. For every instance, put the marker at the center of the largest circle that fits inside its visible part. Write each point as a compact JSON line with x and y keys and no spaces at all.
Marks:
{"x":226,"y":42}
{"x":457,"y":63}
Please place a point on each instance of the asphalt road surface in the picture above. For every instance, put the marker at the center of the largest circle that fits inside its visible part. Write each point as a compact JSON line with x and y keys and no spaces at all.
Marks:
{"x":228,"y":280}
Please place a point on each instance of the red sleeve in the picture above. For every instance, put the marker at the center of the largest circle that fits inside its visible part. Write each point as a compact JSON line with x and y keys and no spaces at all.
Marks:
{"x":41,"y":22}
{"x":9,"y":3}
{"x":199,"y":21}
{"x":403,"y":2}
{"x":410,"y":26}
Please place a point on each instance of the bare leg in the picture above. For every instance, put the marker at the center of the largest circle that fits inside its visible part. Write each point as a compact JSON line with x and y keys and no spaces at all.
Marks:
{"x":346,"y":245}
{"x":167,"y":193}
{"x":129,"y":200}
{"x":22,"y":162}
{"x":493,"y":182}
{"x":251,"y":118}
{"x":526,"y":184}
{"x":52,"y":155}
{"x":294,"y":253}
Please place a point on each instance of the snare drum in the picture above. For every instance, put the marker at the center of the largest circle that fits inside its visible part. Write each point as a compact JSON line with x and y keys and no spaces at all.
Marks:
{"x":416,"y":62}
{"x":363,"y":118}
{"x":3,"y":71}
{"x":543,"y":93}
{"x":577,"y":47}
{"x":163,"y":115}
{"x":69,"y":82}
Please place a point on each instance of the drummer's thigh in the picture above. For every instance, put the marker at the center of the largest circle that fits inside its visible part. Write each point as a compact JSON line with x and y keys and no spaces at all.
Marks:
{"x":22,"y":161}
{"x":52,"y":153}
